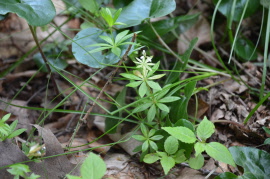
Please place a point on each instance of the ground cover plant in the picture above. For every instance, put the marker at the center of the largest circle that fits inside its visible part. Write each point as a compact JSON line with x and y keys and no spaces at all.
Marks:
{"x":182,"y":86}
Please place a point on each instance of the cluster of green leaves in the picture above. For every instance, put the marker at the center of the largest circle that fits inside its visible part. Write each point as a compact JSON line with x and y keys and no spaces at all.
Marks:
{"x":21,"y":170}
{"x":174,"y":153}
{"x":8,"y":131}
{"x":93,"y":167}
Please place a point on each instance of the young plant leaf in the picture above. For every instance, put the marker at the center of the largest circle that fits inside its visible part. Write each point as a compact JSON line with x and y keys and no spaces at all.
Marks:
{"x":167,"y":163}
{"x":151,"y":113}
{"x":168,"y":99}
{"x":219,"y":152}
{"x":93,"y":167}
{"x":205,"y":129}
{"x":163,"y":107}
{"x":196,"y":162}
{"x":153,"y":145}
{"x":180,"y":157}
{"x":199,"y":148}
{"x":151,"y":158}
{"x":171,"y":145}
{"x":16,"y":133}
{"x":142,"y":89}
{"x":181,"y":133}
{"x":139,"y":137}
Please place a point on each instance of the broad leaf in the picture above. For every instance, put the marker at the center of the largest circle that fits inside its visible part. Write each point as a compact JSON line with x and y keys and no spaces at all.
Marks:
{"x":171,"y":145}
{"x":179,"y":157}
{"x":139,"y":10}
{"x":254,"y":161}
{"x":245,"y":49}
{"x":181,"y":133}
{"x":167,"y":163}
{"x":35,"y":12}
{"x":199,"y":148}
{"x":196,"y":162}
{"x":91,"y":5}
{"x":81,"y":47}
{"x":205,"y":129}
{"x":180,"y":23}
{"x":151,"y":158}
{"x":185,"y":123}
{"x":225,"y":8}
{"x":93,"y":167}
{"x":219,"y":152}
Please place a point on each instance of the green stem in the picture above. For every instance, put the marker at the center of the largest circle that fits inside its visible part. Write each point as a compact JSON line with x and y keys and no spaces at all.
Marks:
{"x":265,"y":54}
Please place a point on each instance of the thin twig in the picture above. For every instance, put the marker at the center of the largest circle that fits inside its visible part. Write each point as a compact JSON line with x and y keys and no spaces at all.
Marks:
{"x":44,"y":59}
{"x":83,"y":120}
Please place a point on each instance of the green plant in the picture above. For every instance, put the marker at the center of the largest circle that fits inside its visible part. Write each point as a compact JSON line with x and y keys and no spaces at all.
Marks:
{"x":175,"y":154}
{"x":8,"y":131}
{"x":21,"y":170}
{"x":93,"y":167}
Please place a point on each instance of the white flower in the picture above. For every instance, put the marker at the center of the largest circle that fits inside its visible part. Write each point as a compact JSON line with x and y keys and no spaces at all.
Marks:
{"x":144,"y":63}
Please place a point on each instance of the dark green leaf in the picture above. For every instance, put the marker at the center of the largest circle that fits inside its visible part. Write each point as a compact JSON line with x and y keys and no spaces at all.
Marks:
{"x":226,"y":175}
{"x":92,"y":5}
{"x":81,"y":48}
{"x":245,"y":49}
{"x":185,"y":123}
{"x":267,"y":130}
{"x":225,"y":8}
{"x":181,"y":23}
{"x":139,"y":10}
{"x":267,"y":141}
{"x":57,"y":63}
{"x":35,"y":12}
{"x":254,"y":161}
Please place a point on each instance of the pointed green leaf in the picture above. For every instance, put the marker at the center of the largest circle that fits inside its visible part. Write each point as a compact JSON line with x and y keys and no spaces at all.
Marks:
{"x":156,"y":77}
{"x":219,"y":152}
{"x":142,"y":107}
{"x":144,"y":130}
{"x":107,"y":39}
{"x":145,"y":146}
{"x":157,"y":137}
{"x":134,"y":84}
{"x":163,"y":107}
{"x":181,"y":133}
{"x":116,"y":51}
{"x":205,"y":129}
{"x":153,"y":145}
{"x":139,"y":137}
{"x":151,"y":113}
{"x":142,"y":89}
{"x":168,"y":99}
{"x":6,"y":117}
{"x":120,"y":36}
{"x":130,"y":76}
{"x":16,"y":133}
{"x":154,"y":85}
